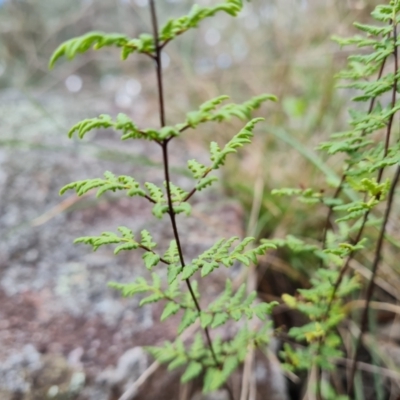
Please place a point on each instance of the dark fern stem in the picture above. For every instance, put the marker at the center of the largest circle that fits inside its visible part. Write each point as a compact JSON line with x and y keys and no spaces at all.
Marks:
{"x":164,"y":145}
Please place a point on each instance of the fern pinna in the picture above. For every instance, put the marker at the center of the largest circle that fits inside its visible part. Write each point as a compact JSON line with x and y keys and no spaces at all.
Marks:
{"x":358,"y":209}
{"x":214,"y":358}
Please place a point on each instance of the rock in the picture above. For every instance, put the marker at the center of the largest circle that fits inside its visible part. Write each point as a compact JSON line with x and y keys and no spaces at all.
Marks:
{"x":57,"y":380}
{"x":15,"y":372}
{"x":130,"y":366}
{"x":30,"y":376}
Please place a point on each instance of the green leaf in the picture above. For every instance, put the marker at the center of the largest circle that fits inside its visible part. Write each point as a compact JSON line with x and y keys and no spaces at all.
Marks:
{"x":213,"y":380}
{"x":189,"y":317}
{"x":250,"y":298}
{"x":110,"y":183}
{"x":230,"y":365}
{"x":97,"y":40}
{"x":173,"y":271}
{"x":163,"y":354}
{"x":205,"y":319}
{"x":219,"y":319}
{"x":183,"y":208}
{"x":155,"y":192}
{"x":238,"y":297}
{"x":189,"y":270}
{"x":111,"y":238}
{"x":171,"y":308}
{"x":178,"y":26}
{"x":156,"y":280}
{"x":198,"y":349}
{"x":151,"y":299}
{"x":209,"y":112}
{"x":264,"y":309}
{"x":172,"y":254}
{"x":147,"y":240}
{"x":139,"y":286}
{"x":159,"y":210}
{"x":126,"y":246}
{"x":207,"y":181}
{"x":193,"y":371}
{"x":103,"y":121}
{"x":236,"y":314}
{"x":198,"y":170}
{"x":150,"y":260}
{"x":208,"y":267}
{"x":218,"y":156}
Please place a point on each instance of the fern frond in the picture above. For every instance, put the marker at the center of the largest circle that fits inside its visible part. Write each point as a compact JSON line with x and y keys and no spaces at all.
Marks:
{"x":178,"y":26}
{"x":110,"y":183}
{"x":97,"y":40}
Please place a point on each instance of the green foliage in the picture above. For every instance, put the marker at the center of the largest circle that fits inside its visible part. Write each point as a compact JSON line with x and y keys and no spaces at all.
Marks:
{"x":110,"y":183}
{"x":98,"y":40}
{"x":208,"y":111}
{"x":198,"y":358}
{"x":177,"y":26}
{"x":123,"y":123}
{"x":356,"y":209}
{"x":218,"y":155}
{"x":368,"y":150}
{"x":216,"y":359}
{"x":145,"y":44}
{"x":220,"y":253}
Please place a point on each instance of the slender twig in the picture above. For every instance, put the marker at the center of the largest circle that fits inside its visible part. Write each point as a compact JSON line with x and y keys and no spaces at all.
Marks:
{"x":164,"y":44}
{"x":194,"y":190}
{"x":394,"y":95}
{"x":163,"y":260}
{"x":330,"y":212}
{"x":149,"y":199}
{"x":158,"y":63}
{"x":171,"y":211}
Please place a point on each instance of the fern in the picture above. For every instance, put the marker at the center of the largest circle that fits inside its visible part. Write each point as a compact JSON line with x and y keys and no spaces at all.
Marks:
{"x":110,"y":183}
{"x":214,"y":359}
{"x":374,"y":76}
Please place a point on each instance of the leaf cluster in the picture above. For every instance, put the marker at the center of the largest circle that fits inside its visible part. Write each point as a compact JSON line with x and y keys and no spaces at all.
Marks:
{"x":216,"y":360}
{"x":199,"y":360}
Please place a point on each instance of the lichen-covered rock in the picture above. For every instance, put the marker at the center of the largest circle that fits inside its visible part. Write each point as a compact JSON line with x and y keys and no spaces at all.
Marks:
{"x":30,"y":376}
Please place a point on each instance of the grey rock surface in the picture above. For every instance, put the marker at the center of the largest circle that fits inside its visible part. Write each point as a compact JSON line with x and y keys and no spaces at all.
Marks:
{"x":54,"y":294}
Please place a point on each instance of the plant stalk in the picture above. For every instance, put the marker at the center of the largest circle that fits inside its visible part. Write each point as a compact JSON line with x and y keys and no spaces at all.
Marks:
{"x":164,"y":143}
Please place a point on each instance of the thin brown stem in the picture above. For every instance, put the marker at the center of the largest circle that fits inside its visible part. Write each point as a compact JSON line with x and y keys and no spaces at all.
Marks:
{"x":165,"y":142}
{"x":149,"y":199}
{"x":163,"y":260}
{"x":178,"y":244}
{"x":393,"y":102}
{"x":194,"y":190}
{"x":160,"y":87}
{"x":330,"y":212}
